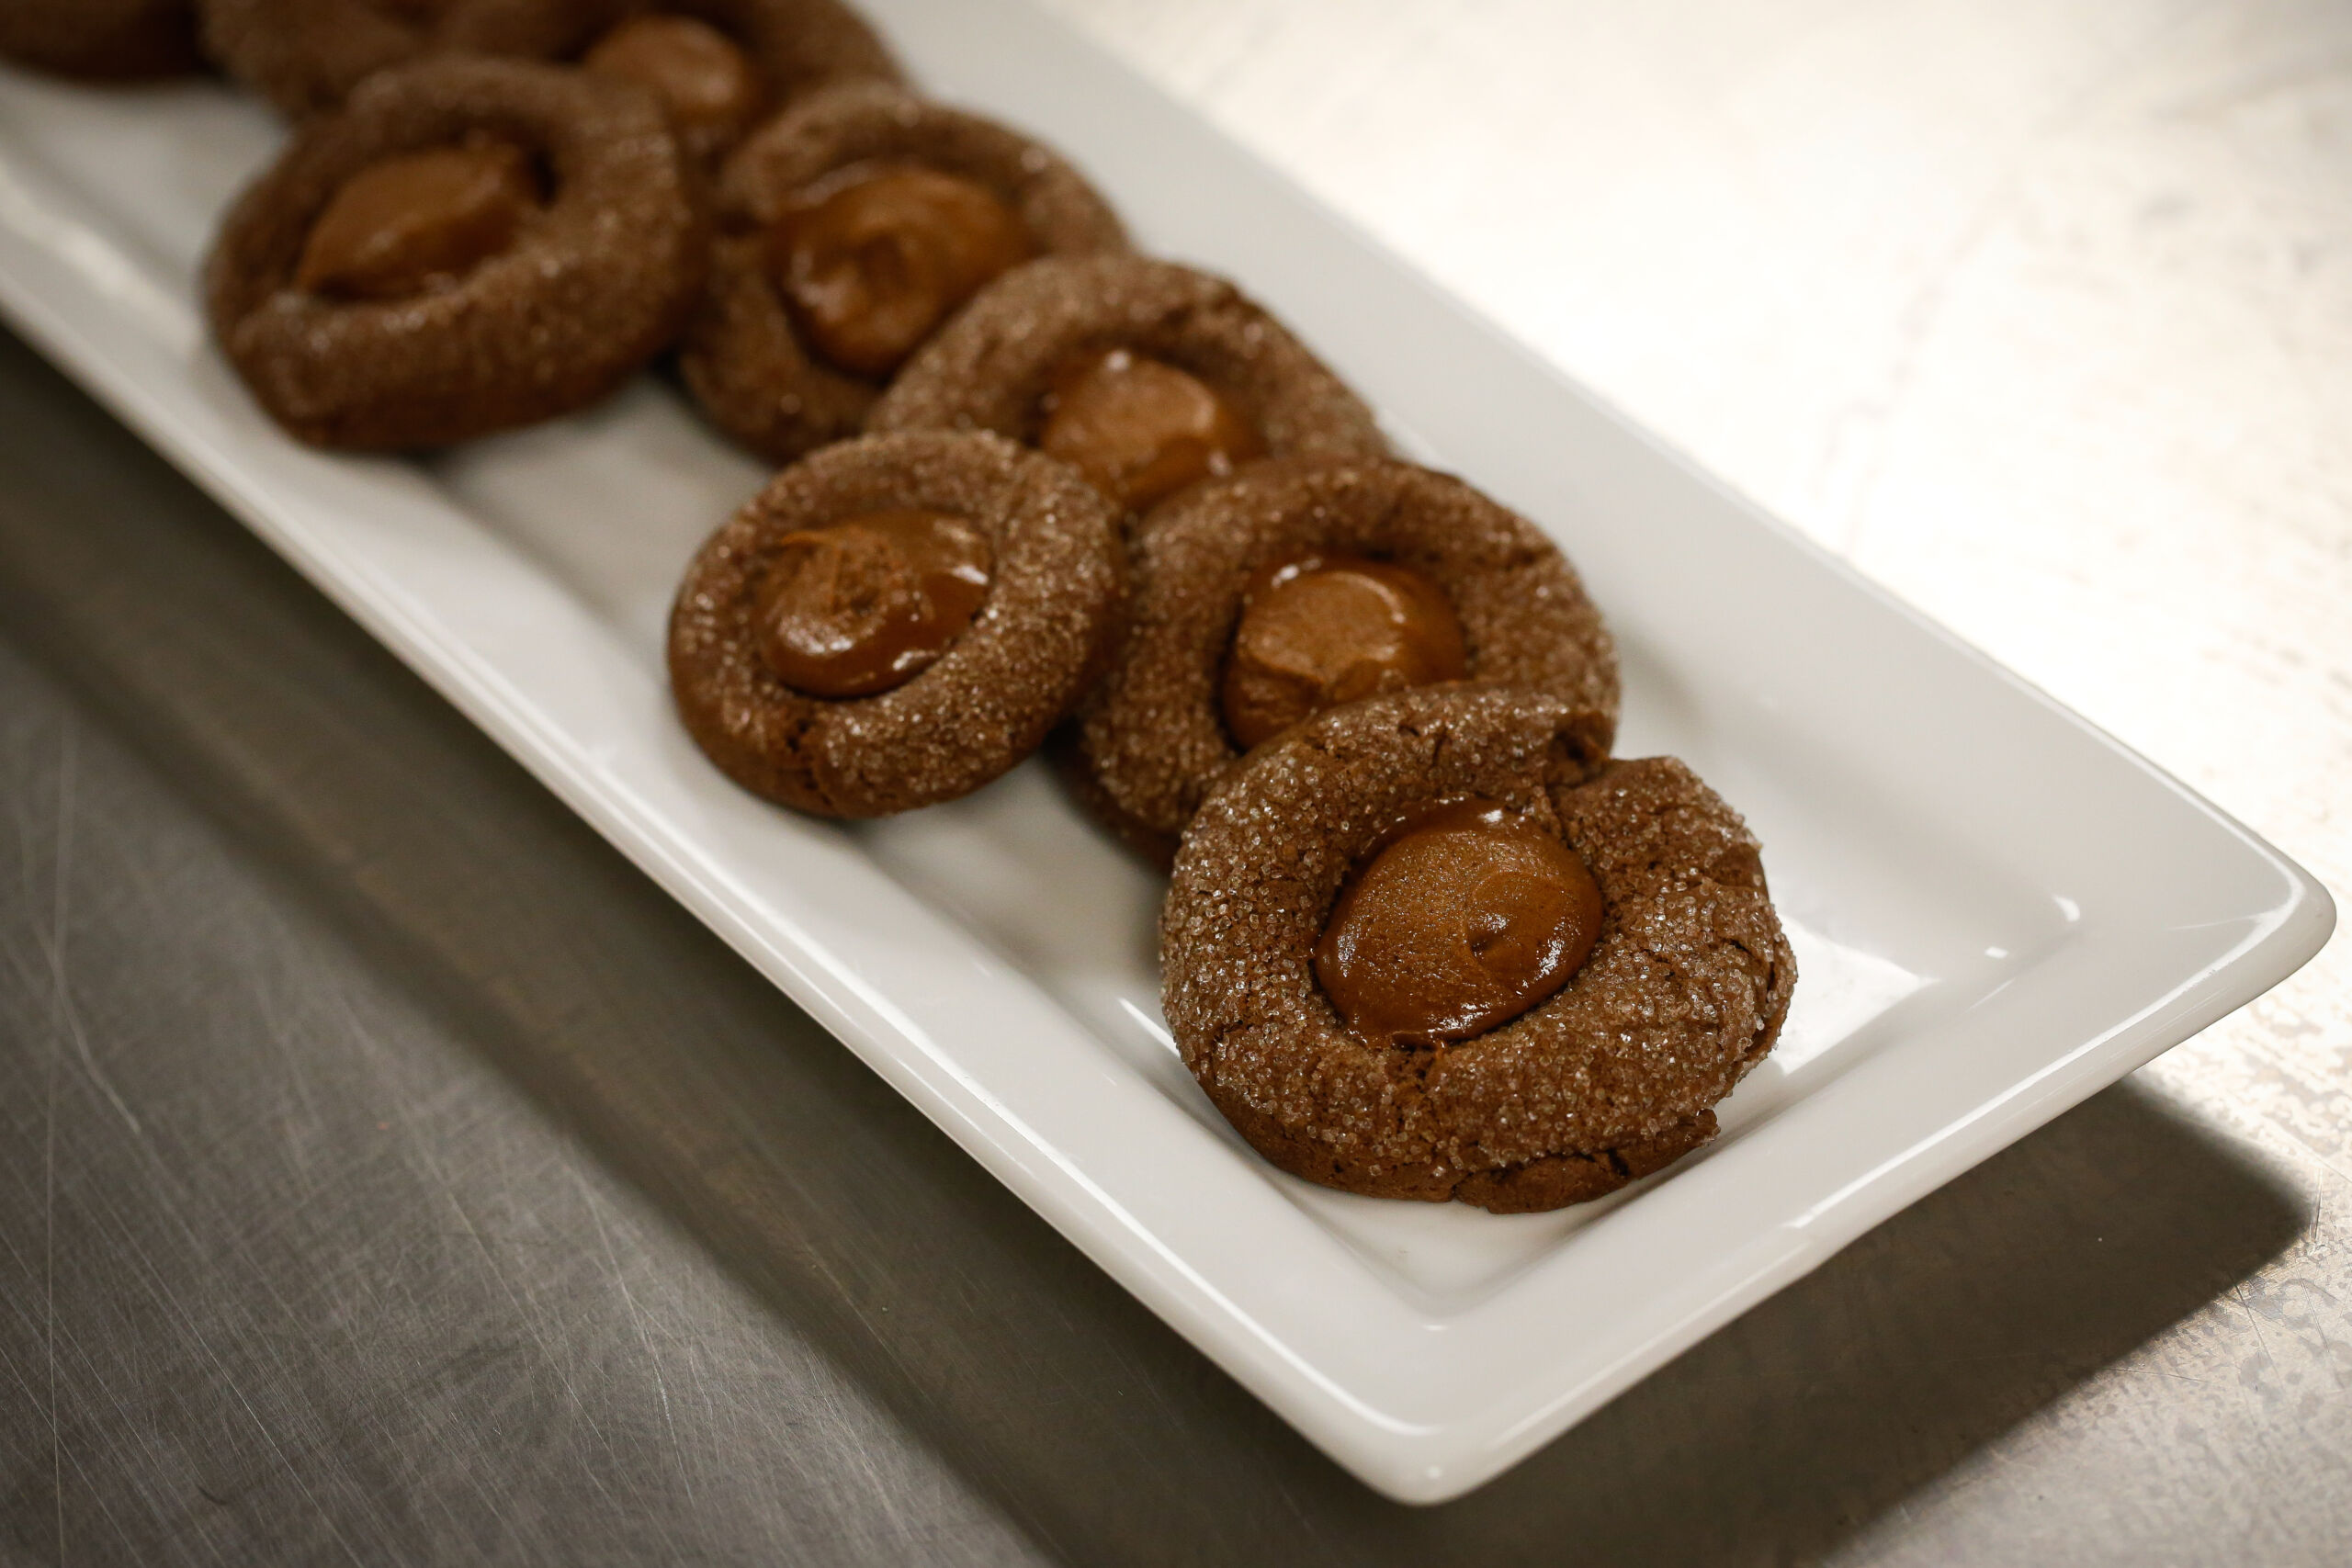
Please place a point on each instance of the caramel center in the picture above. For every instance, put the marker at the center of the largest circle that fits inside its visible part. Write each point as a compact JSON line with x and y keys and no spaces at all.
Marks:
{"x":403,"y":225}
{"x":1317,"y":631}
{"x":1141,"y":429}
{"x":1465,"y":916}
{"x":863,"y":604}
{"x":871,"y":260}
{"x":702,"y":79}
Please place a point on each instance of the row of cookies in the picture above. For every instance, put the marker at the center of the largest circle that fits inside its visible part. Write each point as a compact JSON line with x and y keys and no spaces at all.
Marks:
{"x":463,"y":237}
{"x":1424,"y":938}
{"x":305,"y":56}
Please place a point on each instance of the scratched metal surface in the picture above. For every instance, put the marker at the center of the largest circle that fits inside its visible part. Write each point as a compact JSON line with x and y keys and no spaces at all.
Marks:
{"x":388,"y":1174}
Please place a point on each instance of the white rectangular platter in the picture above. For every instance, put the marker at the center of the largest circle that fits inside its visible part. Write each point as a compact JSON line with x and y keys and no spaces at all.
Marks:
{"x":1996,"y":909}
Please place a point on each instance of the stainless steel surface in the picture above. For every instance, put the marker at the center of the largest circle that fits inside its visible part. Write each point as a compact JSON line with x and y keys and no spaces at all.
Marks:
{"x":388,"y":1173}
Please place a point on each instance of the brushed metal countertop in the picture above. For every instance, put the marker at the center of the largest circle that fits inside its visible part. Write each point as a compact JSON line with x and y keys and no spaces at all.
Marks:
{"x":389,"y":1173}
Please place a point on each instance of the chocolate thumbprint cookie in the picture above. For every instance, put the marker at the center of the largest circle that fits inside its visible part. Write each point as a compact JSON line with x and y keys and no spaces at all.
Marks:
{"x":895,"y":621}
{"x":850,"y":228}
{"x":1144,"y":376}
{"x":1429,"y":946}
{"x":305,"y":56}
{"x":470,"y":244}
{"x":1263,"y":598}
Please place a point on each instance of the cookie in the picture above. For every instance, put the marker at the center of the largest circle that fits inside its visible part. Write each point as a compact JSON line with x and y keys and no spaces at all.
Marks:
{"x":471,"y":245}
{"x":305,"y":56}
{"x":101,"y":39}
{"x":895,"y":621}
{"x":1144,"y":375}
{"x":721,"y":66}
{"x":848,"y":227}
{"x":1298,"y":584}
{"x":1611,"y":1074}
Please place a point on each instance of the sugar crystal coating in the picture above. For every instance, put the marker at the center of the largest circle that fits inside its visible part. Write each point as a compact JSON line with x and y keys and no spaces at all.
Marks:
{"x":707,"y":85}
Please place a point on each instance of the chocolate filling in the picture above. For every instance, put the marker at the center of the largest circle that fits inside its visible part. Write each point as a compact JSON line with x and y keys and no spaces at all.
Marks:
{"x":865,"y":605}
{"x":872,"y":258}
{"x":1465,"y":915}
{"x":1141,"y":429}
{"x":405,"y":223}
{"x":1319,"y":630}
{"x":706,"y":83}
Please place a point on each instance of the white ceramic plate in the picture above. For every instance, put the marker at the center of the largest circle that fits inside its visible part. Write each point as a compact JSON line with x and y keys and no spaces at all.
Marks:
{"x":1996,"y":909}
